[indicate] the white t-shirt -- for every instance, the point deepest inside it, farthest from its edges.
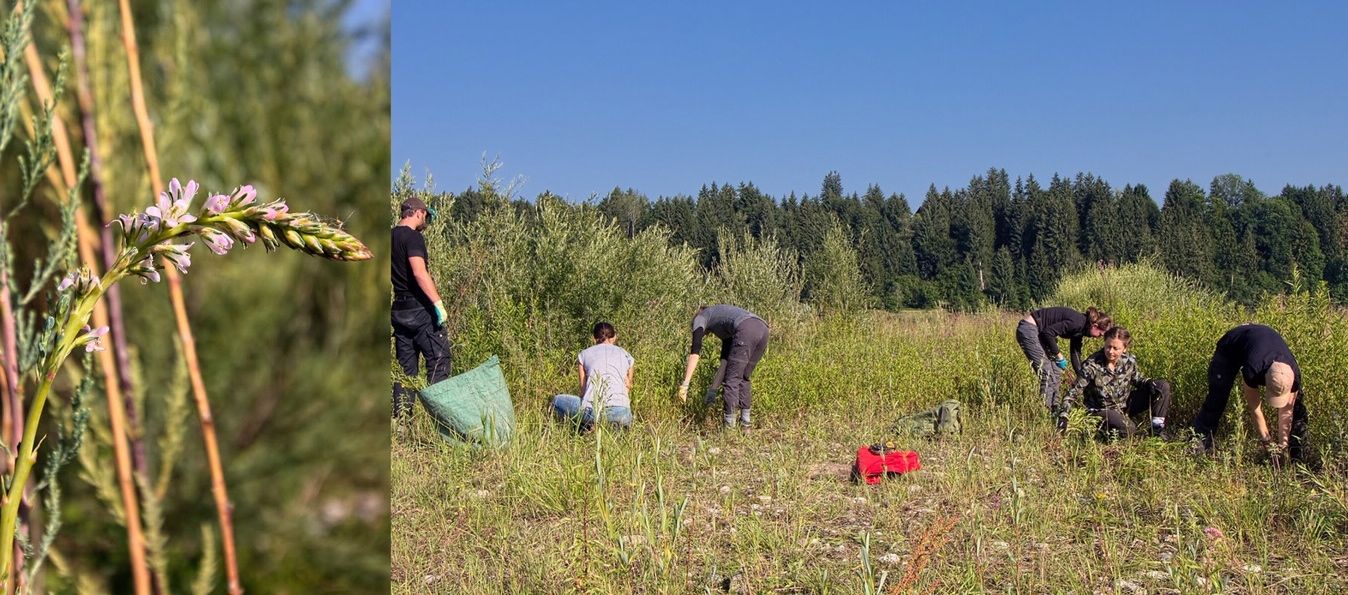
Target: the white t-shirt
(606, 369)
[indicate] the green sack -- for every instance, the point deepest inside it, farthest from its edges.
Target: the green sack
(473, 406)
(940, 421)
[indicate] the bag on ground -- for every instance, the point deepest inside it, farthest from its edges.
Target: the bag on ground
(873, 464)
(473, 407)
(939, 421)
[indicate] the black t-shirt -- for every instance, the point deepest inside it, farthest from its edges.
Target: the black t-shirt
(1255, 347)
(407, 242)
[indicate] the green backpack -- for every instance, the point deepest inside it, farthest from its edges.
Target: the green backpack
(474, 406)
(940, 421)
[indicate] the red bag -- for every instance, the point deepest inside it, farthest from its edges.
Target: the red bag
(872, 467)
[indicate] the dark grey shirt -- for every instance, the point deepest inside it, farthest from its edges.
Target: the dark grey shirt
(719, 320)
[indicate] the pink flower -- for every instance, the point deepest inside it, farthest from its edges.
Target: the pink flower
(176, 254)
(145, 269)
(136, 227)
(67, 281)
(218, 241)
(170, 209)
(243, 196)
(92, 338)
(82, 281)
(1213, 533)
(217, 203)
(274, 210)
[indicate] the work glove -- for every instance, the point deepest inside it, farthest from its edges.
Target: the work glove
(683, 393)
(1062, 363)
(441, 315)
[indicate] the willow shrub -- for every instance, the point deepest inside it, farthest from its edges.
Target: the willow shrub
(528, 282)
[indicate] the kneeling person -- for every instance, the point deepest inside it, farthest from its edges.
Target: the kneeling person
(1112, 388)
(605, 384)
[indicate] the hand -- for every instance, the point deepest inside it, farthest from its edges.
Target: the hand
(1275, 452)
(1062, 363)
(441, 315)
(683, 393)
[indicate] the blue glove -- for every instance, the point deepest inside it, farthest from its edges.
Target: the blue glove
(1062, 363)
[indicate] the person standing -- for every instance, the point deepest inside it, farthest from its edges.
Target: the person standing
(1038, 335)
(418, 315)
(1263, 359)
(744, 338)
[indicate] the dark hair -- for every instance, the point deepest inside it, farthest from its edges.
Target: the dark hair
(1120, 333)
(1097, 318)
(603, 331)
(409, 211)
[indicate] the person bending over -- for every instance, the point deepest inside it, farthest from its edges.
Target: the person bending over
(744, 338)
(1263, 359)
(1038, 335)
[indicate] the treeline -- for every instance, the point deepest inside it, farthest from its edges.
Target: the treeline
(1006, 242)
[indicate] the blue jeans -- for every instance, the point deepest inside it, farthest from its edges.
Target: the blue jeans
(567, 408)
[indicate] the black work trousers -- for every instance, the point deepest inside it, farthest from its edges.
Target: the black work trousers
(1222, 374)
(415, 336)
(1152, 398)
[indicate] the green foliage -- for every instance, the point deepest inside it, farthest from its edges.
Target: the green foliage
(296, 124)
(529, 286)
(762, 277)
(832, 275)
(1234, 240)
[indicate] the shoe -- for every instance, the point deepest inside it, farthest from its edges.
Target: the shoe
(1200, 445)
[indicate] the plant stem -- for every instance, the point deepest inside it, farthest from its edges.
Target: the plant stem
(218, 486)
(116, 400)
(14, 398)
(116, 321)
(27, 449)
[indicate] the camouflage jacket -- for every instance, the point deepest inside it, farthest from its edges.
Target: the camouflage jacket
(1099, 388)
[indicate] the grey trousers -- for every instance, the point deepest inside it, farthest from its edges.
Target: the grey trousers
(1050, 377)
(746, 348)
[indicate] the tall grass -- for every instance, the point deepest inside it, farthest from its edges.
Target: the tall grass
(675, 506)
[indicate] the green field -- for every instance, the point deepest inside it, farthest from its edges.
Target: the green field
(675, 505)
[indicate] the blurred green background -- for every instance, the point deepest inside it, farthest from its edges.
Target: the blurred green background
(293, 97)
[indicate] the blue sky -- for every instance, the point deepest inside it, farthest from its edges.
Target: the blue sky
(364, 18)
(580, 97)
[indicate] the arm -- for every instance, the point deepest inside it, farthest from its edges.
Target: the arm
(693, 356)
(698, 333)
(1254, 406)
(581, 369)
(423, 277)
(689, 367)
(629, 377)
(1285, 421)
(1076, 354)
(1048, 339)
